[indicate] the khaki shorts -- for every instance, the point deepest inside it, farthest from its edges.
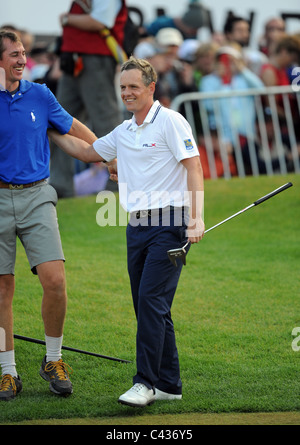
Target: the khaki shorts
(29, 214)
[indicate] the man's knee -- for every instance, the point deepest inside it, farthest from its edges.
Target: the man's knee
(6, 289)
(52, 277)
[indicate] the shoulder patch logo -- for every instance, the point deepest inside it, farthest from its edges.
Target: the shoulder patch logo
(188, 144)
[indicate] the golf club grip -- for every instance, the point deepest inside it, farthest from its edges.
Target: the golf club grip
(270, 195)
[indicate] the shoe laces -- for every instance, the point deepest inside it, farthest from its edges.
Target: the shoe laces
(6, 381)
(138, 387)
(60, 367)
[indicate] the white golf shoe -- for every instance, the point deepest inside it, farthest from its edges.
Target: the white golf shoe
(161, 395)
(139, 395)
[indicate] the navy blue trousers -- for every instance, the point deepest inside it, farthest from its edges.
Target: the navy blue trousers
(153, 280)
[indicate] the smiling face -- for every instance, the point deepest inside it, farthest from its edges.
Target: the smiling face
(136, 96)
(13, 62)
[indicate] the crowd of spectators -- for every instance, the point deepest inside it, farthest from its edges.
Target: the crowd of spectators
(224, 63)
(184, 63)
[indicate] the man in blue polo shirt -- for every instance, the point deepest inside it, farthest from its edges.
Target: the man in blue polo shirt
(27, 208)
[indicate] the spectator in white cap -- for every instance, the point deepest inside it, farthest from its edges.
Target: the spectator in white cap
(169, 39)
(188, 49)
(156, 56)
(145, 50)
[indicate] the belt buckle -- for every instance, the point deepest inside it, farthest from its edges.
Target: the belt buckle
(15, 187)
(144, 213)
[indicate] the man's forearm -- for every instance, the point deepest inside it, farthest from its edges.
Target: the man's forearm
(75, 147)
(81, 131)
(195, 186)
(83, 21)
(196, 194)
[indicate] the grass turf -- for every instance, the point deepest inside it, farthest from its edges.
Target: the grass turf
(235, 308)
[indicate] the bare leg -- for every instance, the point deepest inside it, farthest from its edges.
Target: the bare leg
(7, 288)
(54, 304)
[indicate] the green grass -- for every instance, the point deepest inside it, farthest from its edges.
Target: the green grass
(235, 308)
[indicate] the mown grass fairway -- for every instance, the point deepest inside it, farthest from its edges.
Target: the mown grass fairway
(235, 308)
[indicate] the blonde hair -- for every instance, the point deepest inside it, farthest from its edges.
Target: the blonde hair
(206, 48)
(149, 74)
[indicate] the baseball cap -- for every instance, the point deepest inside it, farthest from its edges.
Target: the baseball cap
(230, 51)
(188, 50)
(144, 50)
(169, 36)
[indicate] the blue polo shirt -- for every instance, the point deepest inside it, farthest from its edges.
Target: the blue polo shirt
(24, 120)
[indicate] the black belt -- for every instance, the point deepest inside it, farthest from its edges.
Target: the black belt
(144, 213)
(6, 185)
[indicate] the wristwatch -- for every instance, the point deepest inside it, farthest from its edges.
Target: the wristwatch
(64, 20)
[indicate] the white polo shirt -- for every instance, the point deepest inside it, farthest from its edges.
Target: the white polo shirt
(149, 170)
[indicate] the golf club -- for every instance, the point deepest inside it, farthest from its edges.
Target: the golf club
(41, 342)
(181, 252)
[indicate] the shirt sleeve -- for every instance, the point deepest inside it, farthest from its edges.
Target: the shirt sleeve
(106, 146)
(58, 117)
(252, 79)
(106, 11)
(179, 137)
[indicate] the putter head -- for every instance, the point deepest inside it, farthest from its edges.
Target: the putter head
(179, 253)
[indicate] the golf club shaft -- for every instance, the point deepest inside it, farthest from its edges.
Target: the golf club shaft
(41, 342)
(259, 201)
(230, 217)
(222, 222)
(181, 252)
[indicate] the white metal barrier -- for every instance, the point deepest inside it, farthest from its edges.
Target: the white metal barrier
(260, 123)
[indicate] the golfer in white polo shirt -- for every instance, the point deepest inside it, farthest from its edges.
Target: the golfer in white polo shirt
(160, 175)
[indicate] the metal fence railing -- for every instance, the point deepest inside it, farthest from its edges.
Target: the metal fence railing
(250, 132)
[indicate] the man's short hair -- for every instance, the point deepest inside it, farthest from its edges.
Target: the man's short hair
(149, 74)
(7, 34)
(230, 22)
